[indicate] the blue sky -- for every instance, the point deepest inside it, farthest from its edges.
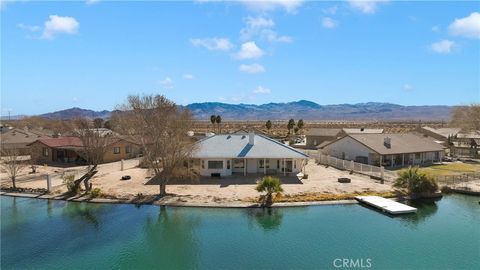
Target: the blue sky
(57, 55)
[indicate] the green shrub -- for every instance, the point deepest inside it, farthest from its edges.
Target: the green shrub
(96, 192)
(415, 181)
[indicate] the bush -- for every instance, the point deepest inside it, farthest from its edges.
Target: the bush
(96, 192)
(415, 181)
(69, 181)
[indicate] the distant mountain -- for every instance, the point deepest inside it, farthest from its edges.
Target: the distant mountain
(304, 109)
(76, 112)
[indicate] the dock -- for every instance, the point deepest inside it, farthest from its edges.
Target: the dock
(386, 205)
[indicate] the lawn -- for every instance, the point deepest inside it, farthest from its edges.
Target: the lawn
(454, 168)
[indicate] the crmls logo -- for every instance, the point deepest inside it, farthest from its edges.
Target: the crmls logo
(352, 263)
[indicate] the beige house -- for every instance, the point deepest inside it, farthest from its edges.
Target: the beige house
(70, 150)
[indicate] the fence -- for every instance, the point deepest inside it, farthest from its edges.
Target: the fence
(351, 165)
(465, 181)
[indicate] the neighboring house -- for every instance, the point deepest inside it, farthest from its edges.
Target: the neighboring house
(71, 150)
(319, 137)
(228, 154)
(18, 139)
(390, 150)
(458, 143)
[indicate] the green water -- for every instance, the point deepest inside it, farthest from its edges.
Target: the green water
(41, 234)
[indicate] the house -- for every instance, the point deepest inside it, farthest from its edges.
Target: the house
(319, 137)
(69, 149)
(390, 150)
(227, 154)
(440, 135)
(459, 144)
(18, 139)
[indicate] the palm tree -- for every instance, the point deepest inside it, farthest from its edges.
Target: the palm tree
(213, 119)
(415, 181)
(290, 125)
(270, 185)
(268, 125)
(218, 120)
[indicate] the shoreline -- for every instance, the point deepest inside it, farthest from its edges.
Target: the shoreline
(238, 204)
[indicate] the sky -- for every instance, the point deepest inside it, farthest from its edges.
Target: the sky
(93, 54)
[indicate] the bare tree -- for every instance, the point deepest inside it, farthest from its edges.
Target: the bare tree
(12, 163)
(161, 127)
(466, 117)
(94, 146)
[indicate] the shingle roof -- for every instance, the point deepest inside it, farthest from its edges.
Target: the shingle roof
(444, 132)
(237, 146)
(18, 136)
(62, 142)
(399, 143)
(328, 132)
(362, 130)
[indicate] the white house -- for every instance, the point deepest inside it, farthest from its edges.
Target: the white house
(390, 150)
(227, 154)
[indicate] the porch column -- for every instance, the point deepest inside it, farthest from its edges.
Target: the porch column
(381, 160)
(264, 166)
(391, 162)
(403, 160)
(423, 157)
(284, 170)
(244, 167)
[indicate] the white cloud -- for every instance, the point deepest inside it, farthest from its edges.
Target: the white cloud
(330, 10)
(188, 77)
(329, 23)
(262, 90)
(60, 25)
(436, 28)
(290, 6)
(407, 87)
(167, 83)
(249, 50)
(213, 44)
(253, 68)
(365, 6)
(468, 27)
(443, 47)
(91, 2)
(31, 28)
(261, 27)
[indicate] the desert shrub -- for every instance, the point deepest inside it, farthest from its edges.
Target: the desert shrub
(415, 181)
(96, 192)
(69, 181)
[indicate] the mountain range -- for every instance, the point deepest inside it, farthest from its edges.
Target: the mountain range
(302, 109)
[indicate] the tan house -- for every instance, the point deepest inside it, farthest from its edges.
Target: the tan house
(18, 139)
(319, 137)
(70, 150)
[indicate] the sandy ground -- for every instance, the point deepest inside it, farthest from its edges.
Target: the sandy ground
(228, 189)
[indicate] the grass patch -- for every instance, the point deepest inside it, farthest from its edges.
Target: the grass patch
(311, 197)
(456, 168)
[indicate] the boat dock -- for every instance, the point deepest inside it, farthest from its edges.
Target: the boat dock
(386, 205)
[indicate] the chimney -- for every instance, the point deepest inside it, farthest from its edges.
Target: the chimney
(251, 137)
(387, 142)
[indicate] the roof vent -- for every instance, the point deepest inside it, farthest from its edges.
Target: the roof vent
(362, 129)
(387, 142)
(251, 138)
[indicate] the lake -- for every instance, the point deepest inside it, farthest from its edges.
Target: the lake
(45, 234)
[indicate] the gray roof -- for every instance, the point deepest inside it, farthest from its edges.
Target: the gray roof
(444, 132)
(362, 130)
(237, 146)
(399, 143)
(327, 132)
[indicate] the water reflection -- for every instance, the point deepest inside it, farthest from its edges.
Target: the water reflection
(426, 208)
(87, 213)
(269, 219)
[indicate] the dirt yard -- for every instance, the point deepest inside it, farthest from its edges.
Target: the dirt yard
(227, 189)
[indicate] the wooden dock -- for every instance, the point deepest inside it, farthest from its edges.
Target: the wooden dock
(386, 205)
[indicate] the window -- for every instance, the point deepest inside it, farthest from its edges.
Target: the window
(261, 165)
(128, 149)
(228, 164)
(116, 150)
(278, 163)
(45, 152)
(215, 164)
(417, 155)
(238, 163)
(203, 164)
